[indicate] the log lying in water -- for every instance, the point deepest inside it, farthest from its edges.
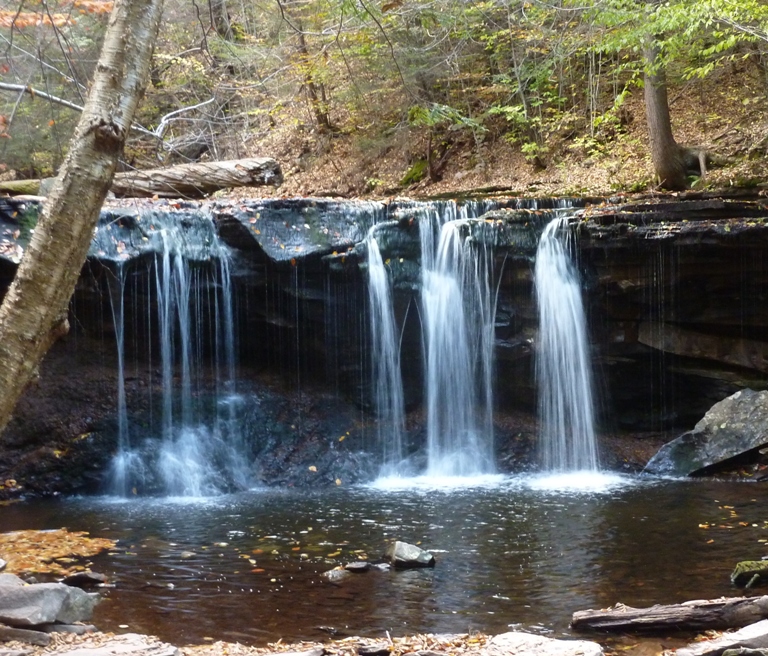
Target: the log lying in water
(199, 179)
(183, 181)
(689, 616)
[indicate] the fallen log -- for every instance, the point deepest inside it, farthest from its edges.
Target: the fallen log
(698, 615)
(199, 179)
(20, 187)
(195, 180)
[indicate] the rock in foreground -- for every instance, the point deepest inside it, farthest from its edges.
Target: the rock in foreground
(513, 643)
(754, 636)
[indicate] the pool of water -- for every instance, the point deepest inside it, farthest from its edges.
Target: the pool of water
(516, 552)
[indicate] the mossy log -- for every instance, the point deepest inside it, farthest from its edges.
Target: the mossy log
(20, 187)
(700, 615)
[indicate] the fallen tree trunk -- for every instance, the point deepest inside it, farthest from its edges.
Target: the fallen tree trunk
(199, 179)
(20, 187)
(183, 181)
(692, 615)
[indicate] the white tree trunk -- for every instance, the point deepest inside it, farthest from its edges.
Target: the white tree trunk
(34, 312)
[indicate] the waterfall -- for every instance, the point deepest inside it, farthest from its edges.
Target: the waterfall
(385, 366)
(563, 371)
(458, 310)
(199, 449)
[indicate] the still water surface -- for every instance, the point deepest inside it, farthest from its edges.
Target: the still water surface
(510, 552)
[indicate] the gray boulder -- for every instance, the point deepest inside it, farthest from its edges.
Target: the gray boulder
(731, 427)
(11, 580)
(514, 642)
(753, 636)
(10, 634)
(403, 555)
(44, 603)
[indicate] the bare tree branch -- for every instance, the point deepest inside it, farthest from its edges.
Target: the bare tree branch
(157, 133)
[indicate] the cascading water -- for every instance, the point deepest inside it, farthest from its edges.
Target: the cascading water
(197, 453)
(563, 371)
(385, 365)
(458, 310)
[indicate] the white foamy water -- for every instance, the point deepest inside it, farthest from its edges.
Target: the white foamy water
(563, 366)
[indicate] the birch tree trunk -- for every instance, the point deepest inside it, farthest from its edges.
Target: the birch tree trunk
(34, 312)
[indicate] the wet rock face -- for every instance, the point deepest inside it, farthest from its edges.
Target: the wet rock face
(677, 303)
(677, 297)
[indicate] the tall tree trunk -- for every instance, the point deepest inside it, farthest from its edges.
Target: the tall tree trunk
(220, 19)
(315, 92)
(34, 312)
(668, 156)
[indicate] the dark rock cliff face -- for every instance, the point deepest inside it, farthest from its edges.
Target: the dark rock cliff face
(675, 292)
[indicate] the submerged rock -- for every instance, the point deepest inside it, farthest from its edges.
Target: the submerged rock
(731, 427)
(336, 575)
(403, 555)
(749, 573)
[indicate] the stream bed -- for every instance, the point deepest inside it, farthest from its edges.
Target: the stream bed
(512, 553)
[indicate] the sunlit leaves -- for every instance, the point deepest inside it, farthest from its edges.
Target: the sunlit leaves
(64, 15)
(57, 552)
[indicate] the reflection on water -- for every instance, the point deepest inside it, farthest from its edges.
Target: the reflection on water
(522, 552)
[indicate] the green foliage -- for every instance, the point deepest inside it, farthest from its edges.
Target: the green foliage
(416, 173)
(533, 73)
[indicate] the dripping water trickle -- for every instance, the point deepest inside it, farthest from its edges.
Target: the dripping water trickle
(198, 448)
(385, 365)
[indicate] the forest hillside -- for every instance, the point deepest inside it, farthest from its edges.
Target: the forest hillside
(413, 97)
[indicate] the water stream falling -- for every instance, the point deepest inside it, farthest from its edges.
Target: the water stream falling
(563, 368)
(458, 310)
(198, 450)
(385, 365)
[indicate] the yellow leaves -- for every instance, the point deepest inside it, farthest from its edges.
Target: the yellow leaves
(338, 481)
(48, 552)
(342, 438)
(312, 468)
(335, 554)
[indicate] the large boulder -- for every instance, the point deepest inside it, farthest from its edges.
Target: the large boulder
(527, 644)
(731, 427)
(43, 603)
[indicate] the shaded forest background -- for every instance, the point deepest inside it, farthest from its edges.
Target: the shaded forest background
(357, 97)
